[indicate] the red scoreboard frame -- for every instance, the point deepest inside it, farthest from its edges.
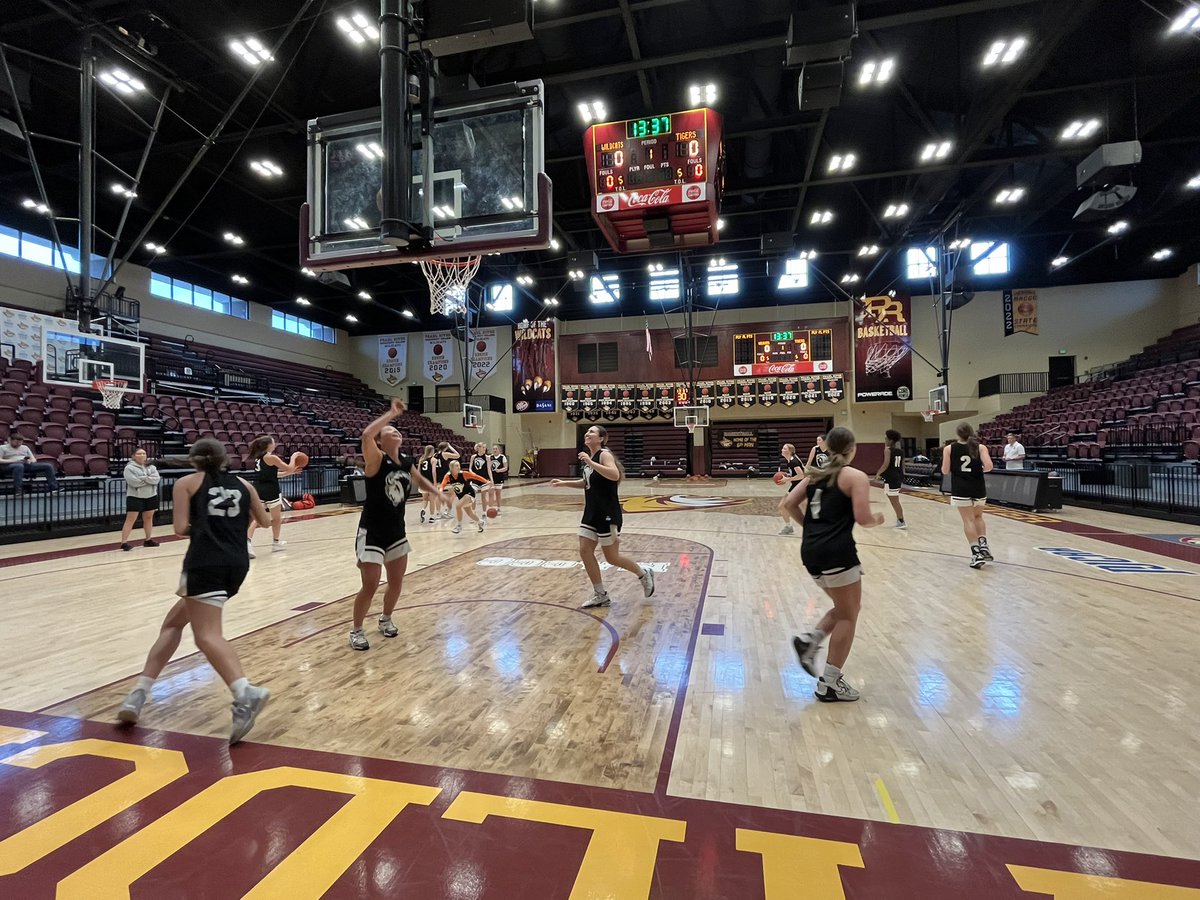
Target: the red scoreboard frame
(657, 181)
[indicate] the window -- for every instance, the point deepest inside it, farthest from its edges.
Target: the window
(10, 241)
(664, 286)
(795, 274)
(40, 251)
(723, 281)
(993, 258)
(922, 263)
(301, 327)
(592, 358)
(704, 355)
(605, 289)
(194, 295)
(500, 297)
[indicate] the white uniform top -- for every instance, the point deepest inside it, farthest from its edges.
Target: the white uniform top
(1013, 450)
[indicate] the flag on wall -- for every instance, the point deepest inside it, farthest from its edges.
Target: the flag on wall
(1020, 312)
(482, 352)
(649, 345)
(439, 356)
(393, 358)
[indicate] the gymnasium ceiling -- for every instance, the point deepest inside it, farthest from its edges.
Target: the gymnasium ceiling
(1111, 60)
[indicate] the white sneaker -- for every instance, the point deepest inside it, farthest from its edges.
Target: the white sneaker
(838, 690)
(598, 599)
(246, 709)
(457, 529)
(647, 580)
(787, 529)
(276, 546)
(387, 627)
(902, 525)
(250, 550)
(131, 709)
(358, 640)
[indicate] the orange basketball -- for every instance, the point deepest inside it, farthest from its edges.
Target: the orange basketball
(299, 459)
(780, 478)
(492, 512)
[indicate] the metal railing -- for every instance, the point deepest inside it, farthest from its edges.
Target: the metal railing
(1141, 487)
(1015, 383)
(90, 505)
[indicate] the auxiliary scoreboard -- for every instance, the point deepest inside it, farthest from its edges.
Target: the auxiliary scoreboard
(804, 352)
(657, 181)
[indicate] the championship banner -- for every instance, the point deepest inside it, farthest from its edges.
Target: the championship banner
(882, 350)
(608, 401)
(588, 402)
(393, 358)
(1020, 312)
(789, 393)
(768, 392)
(810, 390)
(439, 356)
(725, 395)
(705, 394)
(482, 354)
(627, 402)
(570, 398)
(664, 400)
(533, 368)
(834, 388)
(645, 402)
(746, 394)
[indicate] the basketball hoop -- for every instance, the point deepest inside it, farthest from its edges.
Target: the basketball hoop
(929, 414)
(448, 281)
(112, 391)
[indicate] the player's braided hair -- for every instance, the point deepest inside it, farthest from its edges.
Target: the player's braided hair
(840, 444)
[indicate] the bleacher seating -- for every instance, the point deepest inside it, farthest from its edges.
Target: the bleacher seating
(1148, 405)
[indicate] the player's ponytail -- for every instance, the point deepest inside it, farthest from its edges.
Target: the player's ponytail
(260, 445)
(966, 434)
(603, 432)
(840, 445)
(208, 456)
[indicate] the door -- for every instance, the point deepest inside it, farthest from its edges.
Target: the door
(1062, 371)
(416, 398)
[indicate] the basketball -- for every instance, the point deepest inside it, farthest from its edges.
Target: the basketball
(481, 346)
(299, 459)
(392, 353)
(437, 349)
(780, 478)
(492, 513)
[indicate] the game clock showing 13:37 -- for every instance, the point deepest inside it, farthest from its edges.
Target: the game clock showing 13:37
(650, 152)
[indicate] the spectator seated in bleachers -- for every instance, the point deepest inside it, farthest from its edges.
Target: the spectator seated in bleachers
(18, 462)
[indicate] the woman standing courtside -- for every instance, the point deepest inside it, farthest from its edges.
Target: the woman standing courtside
(966, 461)
(141, 498)
(214, 508)
(268, 469)
(832, 499)
(601, 522)
(382, 541)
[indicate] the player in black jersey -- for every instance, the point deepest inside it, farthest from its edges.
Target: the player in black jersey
(268, 469)
(431, 501)
(382, 542)
(499, 473)
(601, 522)
(965, 461)
(460, 484)
(892, 473)
(828, 502)
(445, 454)
(793, 471)
(818, 456)
(214, 507)
(480, 465)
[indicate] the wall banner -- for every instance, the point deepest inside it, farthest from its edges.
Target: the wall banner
(834, 388)
(1020, 312)
(738, 440)
(393, 358)
(482, 354)
(645, 401)
(570, 398)
(608, 401)
(627, 397)
(768, 392)
(665, 400)
(706, 394)
(747, 395)
(440, 353)
(882, 350)
(789, 393)
(534, 374)
(725, 395)
(810, 390)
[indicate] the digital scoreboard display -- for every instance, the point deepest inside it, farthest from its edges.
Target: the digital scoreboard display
(652, 161)
(803, 352)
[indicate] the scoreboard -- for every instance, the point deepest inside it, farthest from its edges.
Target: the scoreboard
(656, 181)
(804, 352)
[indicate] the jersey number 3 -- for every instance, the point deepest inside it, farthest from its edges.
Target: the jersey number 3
(224, 502)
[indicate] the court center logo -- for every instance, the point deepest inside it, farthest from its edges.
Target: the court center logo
(677, 502)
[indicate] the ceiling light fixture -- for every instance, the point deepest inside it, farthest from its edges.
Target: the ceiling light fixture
(936, 150)
(358, 28)
(36, 206)
(351, 318)
(1059, 261)
(251, 51)
(240, 279)
(717, 262)
(308, 272)
(808, 254)
(549, 301)
(1080, 130)
(364, 295)
(1187, 21)
(592, 111)
(720, 224)
(896, 211)
(235, 239)
(121, 191)
(1164, 253)
(122, 82)
(526, 280)
(156, 249)
(1118, 227)
(876, 72)
(702, 94)
(408, 314)
(960, 244)
(1004, 52)
(1193, 183)
(843, 162)
(370, 150)
(303, 301)
(868, 250)
(821, 217)
(1009, 196)
(265, 168)
(850, 278)
(555, 244)
(576, 274)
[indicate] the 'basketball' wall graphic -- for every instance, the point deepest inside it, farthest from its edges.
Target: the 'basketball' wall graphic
(883, 349)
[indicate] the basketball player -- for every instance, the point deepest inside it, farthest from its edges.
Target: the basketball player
(966, 460)
(499, 474)
(892, 473)
(214, 508)
(793, 469)
(819, 454)
(828, 502)
(445, 453)
(460, 484)
(601, 522)
(480, 465)
(382, 542)
(430, 500)
(268, 469)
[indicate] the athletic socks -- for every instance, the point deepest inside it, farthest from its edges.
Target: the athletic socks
(831, 674)
(239, 687)
(815, 637)
(144, 683)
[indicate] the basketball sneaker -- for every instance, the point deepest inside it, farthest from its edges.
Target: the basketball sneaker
(387, 627)
(977, 558)
(276, 546)
(422, 517)
(832, 692)
(647, 580)
(127, 547)
(131, 709)
(250, 550)
(600, 598)
(807, 651)
(246, 709)
(787, 529)
(480, 523)
(902, 525)
(982, 546)
(358, 640)
(457, 529)
(150, 543)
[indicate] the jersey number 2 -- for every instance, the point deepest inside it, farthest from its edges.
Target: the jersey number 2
(966, 465)
(224, 502)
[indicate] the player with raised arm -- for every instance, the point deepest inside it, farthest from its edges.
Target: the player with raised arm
(268, 469)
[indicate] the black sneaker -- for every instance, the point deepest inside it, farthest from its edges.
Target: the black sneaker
(982, 547)
(149, 543)
(977, 558)
(127, 547)
(807, 651)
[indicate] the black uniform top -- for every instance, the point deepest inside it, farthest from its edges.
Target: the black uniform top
(499, 461)
(599, 493)
(828, 543)
(966, 473)
(383, 507)
(790, 467)
(821, 459)
(266, 476)
(220, 517)
(427, 469)
(895, 469)
(463, 484)
(480, 465)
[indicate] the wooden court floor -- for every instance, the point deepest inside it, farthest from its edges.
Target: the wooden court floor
(1050, 698)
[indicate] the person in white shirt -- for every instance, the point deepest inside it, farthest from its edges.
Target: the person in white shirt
(1014, 453)
(17, 461)
(142, 481)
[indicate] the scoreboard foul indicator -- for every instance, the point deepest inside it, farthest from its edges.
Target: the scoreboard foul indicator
(804, 352)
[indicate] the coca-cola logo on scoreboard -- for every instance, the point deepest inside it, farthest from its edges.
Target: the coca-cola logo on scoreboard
(659, 197)
(694, 192)
(781, 369)
(607, 203)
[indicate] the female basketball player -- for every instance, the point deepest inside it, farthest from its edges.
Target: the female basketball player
(141, 481)
(499, 474)
(430, 501)
(793, 469)
(214, 508)
(382, 542)
(819, 455)
(268, 469)
(460, 484)
(480, 464)
(446, 453)
(601, 522)
(832, 499)
(966, 460)
(892, 473)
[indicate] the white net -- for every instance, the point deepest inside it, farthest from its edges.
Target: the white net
(448, 281)
(112, 391)
(883, 356)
